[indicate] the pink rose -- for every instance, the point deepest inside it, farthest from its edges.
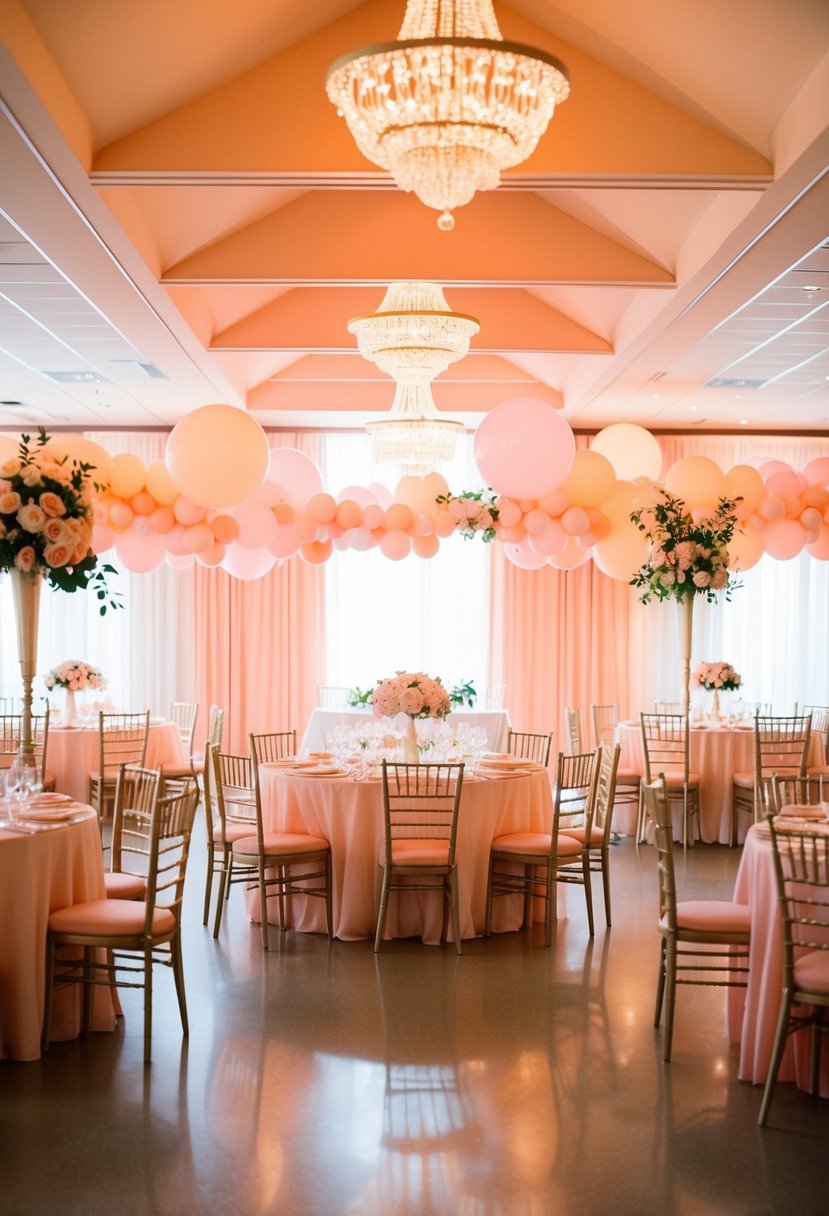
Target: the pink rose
(79, 553)
(31, 518)
(9, 502)
(52, 504)
(702, 578)
(54, 530)
(24, 559)
(57, 555)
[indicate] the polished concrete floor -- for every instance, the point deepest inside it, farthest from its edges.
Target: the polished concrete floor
(319, 1080)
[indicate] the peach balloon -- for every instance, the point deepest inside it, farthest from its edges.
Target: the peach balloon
(770, 467)
(756, 522)
(425, 546)
(513, 535)
(811, 517)
(591, 480)
(82, 450)
(373, 516)
(141, 526)
(100, 509)
(284, 513)
(422, 525)
(317, 552)
(269, 493)
(575, 520)
(745, 549)
(120, 516)
(296, 474)
(162, 520)
(631, 450)
(322, 508)
(217, 455)
(180, 561)
(257, 524)
(772, 508)
(696, 480)
(444, 524)
(158, 483)
(784, 539)
(745, 483)
(399, 517)
(360, 539)
(395, 545)
(225, 528)
(816, 472)
(815, 496)
(214, 556)
(620, 554)
(784, 485)
(175, 541)
(187, 512)
(382, 495)
(334, 531)
(349, 513)
(551, 541)
(103, 537)
(509, 512)
(284, 543)
(819, 548)
(537, 522)
(143, 503)
(140, 554)
(247, 564)
(571, 556)
(555, 503)
(126, 475)
(525, 558)
(197, 539)
(524, 447)
(305, 530)
(703, 512)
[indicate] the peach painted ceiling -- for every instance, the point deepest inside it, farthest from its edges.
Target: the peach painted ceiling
(184, 218)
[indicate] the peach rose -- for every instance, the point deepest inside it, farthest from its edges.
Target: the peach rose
(9, 502)
(52, 504)
(24, 559)
(79, 553)
(10, 467)
(55, 530)
(31, 475)
(31, 517)
(57, 555)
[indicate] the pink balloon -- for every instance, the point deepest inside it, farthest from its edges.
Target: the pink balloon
(317, 552)
(422, 525)
(784, 485)
(225, 528)
(555, 503)
(395, 545)
(297, 475)
(162, 520)
(820, 547)
(349, 513)
(187, 512)
(175, 541)
(509, 512)
(817, 472)
(333, 531)
(399, 517)
(197, 539)
(141, 554)
(772, 508)
(537, 522)
(305, 530)
(571, 557)
(179, 561)
(770, 467)
(143, 503)
(444, 524)
(322, 508)
(524, 448)
(550, 542)
(247, 564)
(360, 538)
(575, 520)
(524, 557)
(284, 543)
(141, 526)
(257, 524)
(103, 538)
(745, 550)
(359, 494)
(382, 495)
(373, 516)
(425, 546)
(784, 538)
(214, 556)
(120, 515)
(811, 518)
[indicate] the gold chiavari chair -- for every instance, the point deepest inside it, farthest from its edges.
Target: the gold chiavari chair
(530, 746)
(136, 793)
(666, 744)
(122, 739)
(605, 722)
(572, 728)
(598, 845)
(275, 745)
(781, 746)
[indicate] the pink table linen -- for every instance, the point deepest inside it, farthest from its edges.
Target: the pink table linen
(716, 755)
(349, 814)
(73, 755)
(752, 1013)
(39, 874)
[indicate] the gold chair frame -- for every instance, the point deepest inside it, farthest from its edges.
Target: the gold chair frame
(122, 739)
(136, 792)
(781, 746)
(530, 746)
(666, 747)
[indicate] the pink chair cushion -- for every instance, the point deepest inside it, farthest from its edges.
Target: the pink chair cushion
(124, 886)
(281, 844)
(538, 843)
(112, 917)
(676, 780)
(744, 780)
(419, 853)
(627, 776)
(233, 831)
(811, 972)
(818, 770)
(596, 835)
(712, 916)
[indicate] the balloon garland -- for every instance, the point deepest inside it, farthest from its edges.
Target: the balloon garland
(222, 498)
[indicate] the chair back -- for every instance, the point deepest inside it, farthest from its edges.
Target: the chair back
(184, 714)
(820, 723)
(215, 726)
(668, 707)
(665, 744)
(171, 829)
(421, 802)
(606, 789)
(605, 721)
(122, 739)
(576, 783)
(795, 791)
(494, 696)
(801, 867)
(655, 798)
(333, 696)
(136, 793)
(572, 727)
(530, 746)
(11, 733)
(274, 745)
(233, 793)
(781, 745)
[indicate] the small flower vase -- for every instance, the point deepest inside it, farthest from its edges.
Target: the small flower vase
(715, 705)
(69, 709)
(410, 752)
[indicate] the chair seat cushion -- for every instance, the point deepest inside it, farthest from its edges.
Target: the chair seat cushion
(628, 776)
(234, 831)
(109, 917)
(596, 835)
(415, 852)
(124, 886)
(281, 844)
(169, 771)
(818, 770)
(811, 973)
(536, 843)
(744, 780)
(676, 780)
(712, 916)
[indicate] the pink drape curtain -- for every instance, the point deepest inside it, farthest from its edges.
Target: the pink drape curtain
(259, 644)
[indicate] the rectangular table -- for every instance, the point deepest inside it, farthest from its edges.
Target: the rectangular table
(349, 814)
(495, 722)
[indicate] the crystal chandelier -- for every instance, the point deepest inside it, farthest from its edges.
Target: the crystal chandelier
(413, 337)
(449, 105)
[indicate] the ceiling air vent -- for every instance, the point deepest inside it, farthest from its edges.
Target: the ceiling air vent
(720, 382)
(147, 369)
(78, 377)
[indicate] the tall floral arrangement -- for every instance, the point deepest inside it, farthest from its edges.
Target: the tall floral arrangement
(688, 553)
(46, 520)
(75, 675)
(412, 693)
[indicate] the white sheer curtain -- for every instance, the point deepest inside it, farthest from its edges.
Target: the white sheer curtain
(429, 615)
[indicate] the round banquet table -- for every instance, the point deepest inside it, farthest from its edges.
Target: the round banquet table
(40, 872)
(73, 754)
(349, 814)
(752, 1011)
(495, 722)
(716, 754)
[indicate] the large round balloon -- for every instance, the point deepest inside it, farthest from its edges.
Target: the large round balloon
(745, 549)
(591, 480)
(247, 564)
(257, 524)
(524, 448)
(631, 450)
(217, 455)
(296, 475)
(126, 475)
(85, 451)
(141, 554)
(696, 480)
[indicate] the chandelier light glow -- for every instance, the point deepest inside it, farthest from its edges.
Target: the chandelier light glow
(413, 337)
(449, 105)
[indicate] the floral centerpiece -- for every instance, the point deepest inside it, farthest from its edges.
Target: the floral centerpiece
(716, 676)
(75, 675)
(415, 694)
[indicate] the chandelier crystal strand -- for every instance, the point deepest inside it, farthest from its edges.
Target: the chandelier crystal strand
(449, 105)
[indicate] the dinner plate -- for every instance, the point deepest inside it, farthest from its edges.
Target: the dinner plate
(289, 762)
(48, 799)
(507, 762)
(47, 816)
(320, 770)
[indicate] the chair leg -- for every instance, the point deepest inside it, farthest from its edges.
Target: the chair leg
(488, 919)
(208, 882)
(381, 915)
(551, 911)
(780, 1036)
(329, 911)
(48, 996)
(224, 890)
(670, 997)
(263, 901)
(818, 1028)
(606, 883)
(283, 874)
(87, 976)
(588, 891)
(453, 907)
(148, 1003)
(178, 975)
(660, 987)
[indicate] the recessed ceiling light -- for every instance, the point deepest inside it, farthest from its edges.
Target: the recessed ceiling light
(811, 287)
(656, 396)
(692, 408)
(744, 422)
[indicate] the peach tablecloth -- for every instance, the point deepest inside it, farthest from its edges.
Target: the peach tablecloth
(349, 814)
(495, 722)
(716, 755)
(73, 755)
(38, 874)
(752, 1012)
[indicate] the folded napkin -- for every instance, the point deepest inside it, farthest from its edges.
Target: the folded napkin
(47, 816)
(319, 770)
(817, 810)
(288, 762)
(48, 799)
